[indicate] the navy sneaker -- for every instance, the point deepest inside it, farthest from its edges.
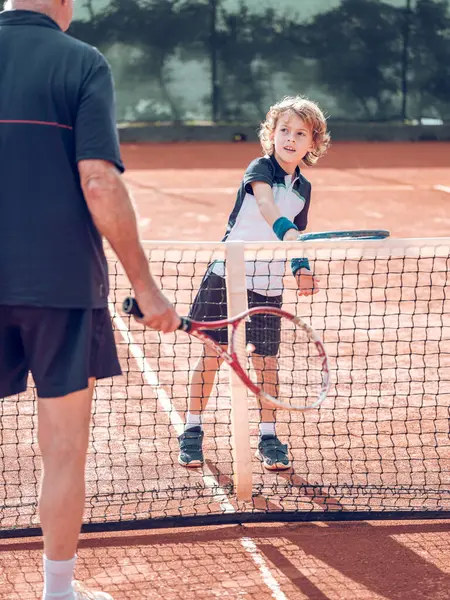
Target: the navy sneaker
(272, 453)
(191, 454)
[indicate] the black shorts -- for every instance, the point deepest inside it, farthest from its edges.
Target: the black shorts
(62, 348)
(210, 304)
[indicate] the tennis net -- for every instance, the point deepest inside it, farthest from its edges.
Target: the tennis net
(378, 446)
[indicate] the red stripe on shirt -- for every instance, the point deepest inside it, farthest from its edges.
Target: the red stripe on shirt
(20, 122)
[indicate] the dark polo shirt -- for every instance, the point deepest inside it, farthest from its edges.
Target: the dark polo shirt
(56, 107)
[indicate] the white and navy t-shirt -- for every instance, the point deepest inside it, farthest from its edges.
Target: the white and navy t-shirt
(292, 195)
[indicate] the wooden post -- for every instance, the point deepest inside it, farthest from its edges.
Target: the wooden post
(240, 431)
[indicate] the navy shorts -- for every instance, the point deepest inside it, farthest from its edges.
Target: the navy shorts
(62, 348)
(210, 304)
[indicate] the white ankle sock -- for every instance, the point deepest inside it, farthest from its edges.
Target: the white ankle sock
(193, 421)
(58, 577)
(267, 429)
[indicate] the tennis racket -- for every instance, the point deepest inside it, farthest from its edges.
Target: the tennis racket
(358, 234)
(289, 367)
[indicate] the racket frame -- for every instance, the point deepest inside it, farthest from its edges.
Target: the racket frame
(199, 330)
(357, 234)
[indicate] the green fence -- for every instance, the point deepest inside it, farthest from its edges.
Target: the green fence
(226, 61)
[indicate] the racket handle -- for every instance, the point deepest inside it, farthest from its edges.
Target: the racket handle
(131, 307)
(185, 325)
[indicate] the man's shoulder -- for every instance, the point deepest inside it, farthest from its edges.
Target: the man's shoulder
(90, 54)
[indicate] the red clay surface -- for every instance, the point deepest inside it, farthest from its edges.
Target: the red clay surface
(389, 186)
(185, 192)
(364, 561)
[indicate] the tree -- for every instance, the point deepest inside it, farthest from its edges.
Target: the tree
(252, 48)
(157, 29)
(354, 53)
(358, 49)
(430, 57)
(94, 30)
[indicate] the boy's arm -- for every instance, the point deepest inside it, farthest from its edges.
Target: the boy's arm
(306, 282)
(264, 198)
(301, 220)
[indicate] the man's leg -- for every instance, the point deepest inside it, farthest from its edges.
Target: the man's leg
(66, 350)
(63, 434)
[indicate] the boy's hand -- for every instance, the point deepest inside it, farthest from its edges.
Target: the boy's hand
(306, 282)
(291, 235)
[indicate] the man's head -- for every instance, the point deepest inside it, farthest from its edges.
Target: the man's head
(60, 11)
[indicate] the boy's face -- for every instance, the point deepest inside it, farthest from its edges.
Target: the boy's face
(292, 140)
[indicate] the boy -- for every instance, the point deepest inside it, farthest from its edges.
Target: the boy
(272, 202)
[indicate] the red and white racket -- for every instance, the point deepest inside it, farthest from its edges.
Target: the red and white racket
(288, 365)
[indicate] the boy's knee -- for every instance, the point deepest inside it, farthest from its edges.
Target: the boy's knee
(211, 355)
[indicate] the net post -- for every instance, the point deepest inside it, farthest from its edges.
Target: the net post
(240, 430)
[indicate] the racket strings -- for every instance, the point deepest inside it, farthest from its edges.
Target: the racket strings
(282, 359)
(299, 366)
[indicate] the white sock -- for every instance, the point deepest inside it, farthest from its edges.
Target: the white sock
(58, 576)
(193, 421)
(267, 429)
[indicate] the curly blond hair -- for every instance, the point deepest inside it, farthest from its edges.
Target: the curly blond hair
(311, 115)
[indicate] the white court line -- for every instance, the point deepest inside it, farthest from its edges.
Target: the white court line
(442, 188)
(151, 379)
(364, 188)
(210, 480)
(266, 574)
(317, 188)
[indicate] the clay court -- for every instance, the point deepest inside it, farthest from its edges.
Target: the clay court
(185, 192)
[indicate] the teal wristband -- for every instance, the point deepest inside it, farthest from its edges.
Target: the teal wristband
(299, 263)
(282, 225)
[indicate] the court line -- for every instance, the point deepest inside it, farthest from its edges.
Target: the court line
(317, 188)
(442, 188)
(266, 574)
(210, 480)
(151, 379)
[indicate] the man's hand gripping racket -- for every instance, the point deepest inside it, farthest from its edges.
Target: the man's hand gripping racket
(299, 372)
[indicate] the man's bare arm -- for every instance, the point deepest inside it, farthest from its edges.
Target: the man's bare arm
(112, 211)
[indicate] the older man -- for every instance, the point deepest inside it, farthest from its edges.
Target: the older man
(61, 191)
